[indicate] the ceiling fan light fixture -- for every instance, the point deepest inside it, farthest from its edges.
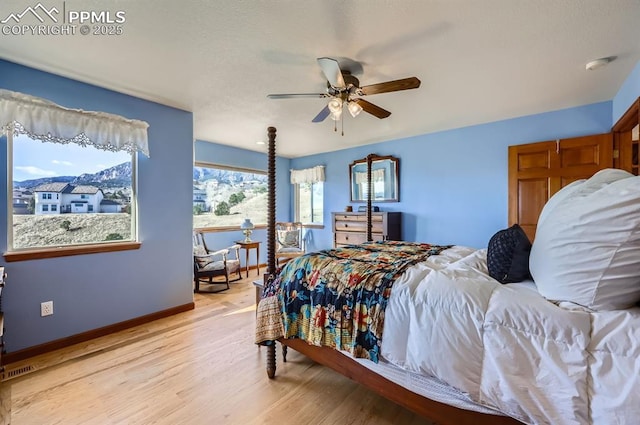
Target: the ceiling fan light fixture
(335, 106)
(354, 108)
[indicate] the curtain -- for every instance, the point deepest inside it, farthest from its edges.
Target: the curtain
(308, 175)
(43, 120)
(376, 176)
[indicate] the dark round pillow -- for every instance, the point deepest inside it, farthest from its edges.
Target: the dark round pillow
(508, 255)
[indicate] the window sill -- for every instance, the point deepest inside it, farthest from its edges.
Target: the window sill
(226, 228)
(313, 226)
(237, 228)
(66, 251)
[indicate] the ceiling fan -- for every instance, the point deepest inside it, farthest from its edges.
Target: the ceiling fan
(343, 89)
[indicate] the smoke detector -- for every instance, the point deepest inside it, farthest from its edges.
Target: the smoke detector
(598, 63)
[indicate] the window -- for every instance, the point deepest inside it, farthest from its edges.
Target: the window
(55, 149)
(223, 196)
(308, 192)
(64, 170)
(309, 202)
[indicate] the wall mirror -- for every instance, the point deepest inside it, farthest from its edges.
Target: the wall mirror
(384, 178)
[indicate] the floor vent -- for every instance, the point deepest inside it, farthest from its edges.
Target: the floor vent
(17, 372)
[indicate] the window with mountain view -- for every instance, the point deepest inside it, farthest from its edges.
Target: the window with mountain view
(309, 202)
(223, 197)
(67, 194)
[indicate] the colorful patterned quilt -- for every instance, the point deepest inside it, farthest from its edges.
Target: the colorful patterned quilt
(337, 297)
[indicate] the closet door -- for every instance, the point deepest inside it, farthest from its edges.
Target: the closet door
(538, 170)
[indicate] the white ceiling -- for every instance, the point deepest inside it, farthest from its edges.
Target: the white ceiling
(478, 60)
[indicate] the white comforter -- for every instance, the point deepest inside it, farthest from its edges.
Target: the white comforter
(510, 349)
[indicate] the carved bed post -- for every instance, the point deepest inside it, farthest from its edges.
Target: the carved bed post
(271, 202)
(369, 197)
(271, 226)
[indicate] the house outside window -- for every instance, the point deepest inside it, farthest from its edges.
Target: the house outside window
(54, 208)
(224, 196)
(309, 195)
(45, 208)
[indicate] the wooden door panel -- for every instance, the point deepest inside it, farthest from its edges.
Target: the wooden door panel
(580, 156)
(534, 161)
(585, 155)
(532, 195)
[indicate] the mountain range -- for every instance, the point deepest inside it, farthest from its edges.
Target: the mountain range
(116, 176)
(201, 174)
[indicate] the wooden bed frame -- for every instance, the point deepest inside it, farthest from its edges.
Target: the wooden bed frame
(441, 413)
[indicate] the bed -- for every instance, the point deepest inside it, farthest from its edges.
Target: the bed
(455, 345)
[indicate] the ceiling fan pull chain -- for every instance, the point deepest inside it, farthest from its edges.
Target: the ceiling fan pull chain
(335, 126)
(342, 123)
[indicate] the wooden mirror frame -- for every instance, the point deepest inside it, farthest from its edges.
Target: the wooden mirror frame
(392, 186)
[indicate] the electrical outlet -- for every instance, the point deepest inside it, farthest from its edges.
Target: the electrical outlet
(46, 308)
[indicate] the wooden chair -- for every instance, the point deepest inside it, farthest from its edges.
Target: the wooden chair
(208, 265)
(289, 241)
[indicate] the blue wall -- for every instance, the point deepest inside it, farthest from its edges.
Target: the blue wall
(234, 157)
(96, 290)
(453, 184)
(628, 93)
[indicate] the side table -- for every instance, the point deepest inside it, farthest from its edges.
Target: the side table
(248, 246)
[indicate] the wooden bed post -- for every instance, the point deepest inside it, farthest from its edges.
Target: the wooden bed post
(369, 197)
(271, 243)
(271, 202)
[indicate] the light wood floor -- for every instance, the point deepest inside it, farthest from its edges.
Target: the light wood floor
(197, 367)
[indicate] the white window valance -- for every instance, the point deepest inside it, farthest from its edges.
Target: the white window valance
(43, 120)
(308, 175)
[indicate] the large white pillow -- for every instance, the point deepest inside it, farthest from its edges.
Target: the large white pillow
(587, 245)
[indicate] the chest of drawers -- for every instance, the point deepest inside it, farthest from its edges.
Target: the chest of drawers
(351, 227)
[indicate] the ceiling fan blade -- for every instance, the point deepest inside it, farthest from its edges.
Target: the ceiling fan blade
(389, 86)
(296, 95)
(322, 115)
(331, 70)
(374, 110)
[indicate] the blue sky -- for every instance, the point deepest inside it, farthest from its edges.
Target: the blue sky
(35, 159)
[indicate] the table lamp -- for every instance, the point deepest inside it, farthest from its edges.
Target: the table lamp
(247, 227)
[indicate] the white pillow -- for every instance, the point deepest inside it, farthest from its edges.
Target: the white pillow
(557, 198)
(587, 245)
